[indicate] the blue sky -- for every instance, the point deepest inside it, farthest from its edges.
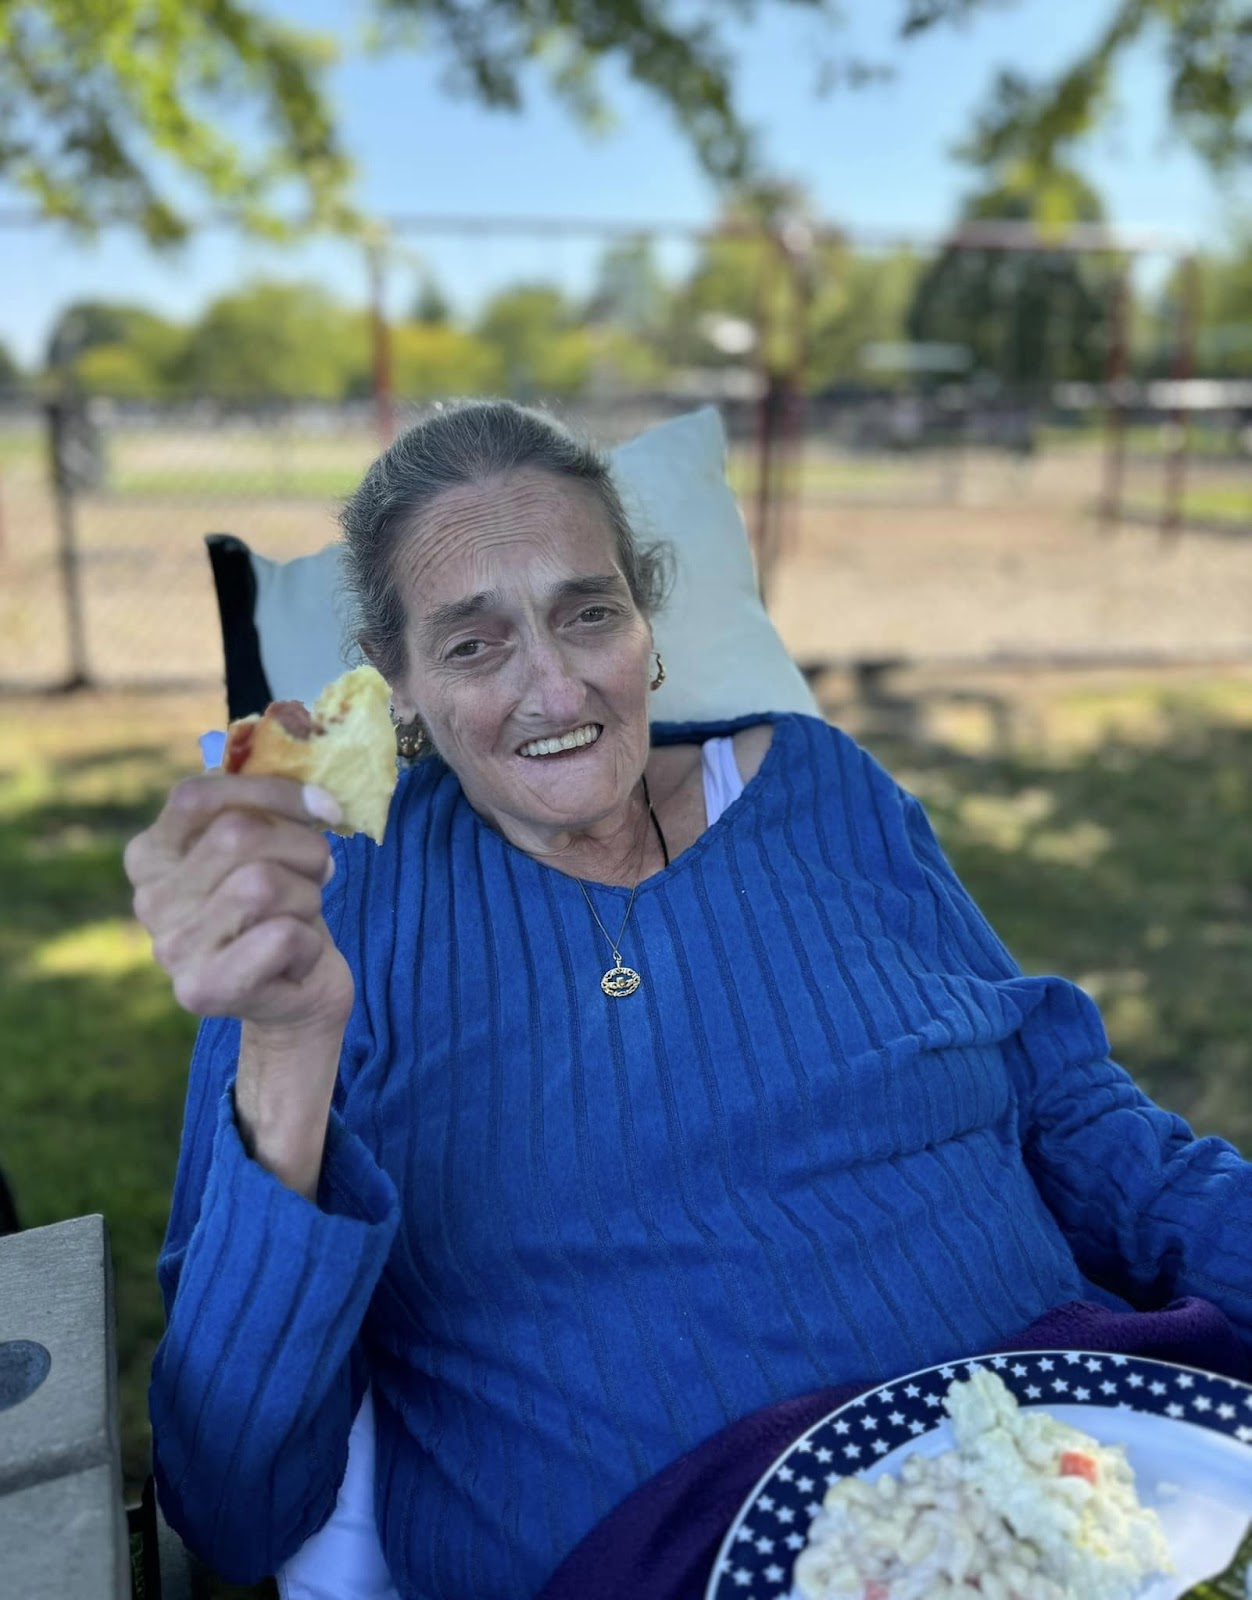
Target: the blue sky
(877, 158)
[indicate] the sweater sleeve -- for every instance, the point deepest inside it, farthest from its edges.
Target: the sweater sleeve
(260, 1371)
(1150, 1211)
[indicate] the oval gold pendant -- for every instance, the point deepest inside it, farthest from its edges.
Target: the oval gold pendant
(620, 981)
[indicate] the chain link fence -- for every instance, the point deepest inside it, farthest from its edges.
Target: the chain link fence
(1028, 493)
(890, 528)
(103, 512)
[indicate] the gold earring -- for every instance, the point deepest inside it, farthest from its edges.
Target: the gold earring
(660, 674)
(411, 740)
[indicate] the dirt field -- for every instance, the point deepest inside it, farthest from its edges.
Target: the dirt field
(944, 583)
(934, 561)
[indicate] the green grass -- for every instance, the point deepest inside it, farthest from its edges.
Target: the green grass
(1112, 845)
(1228, 503)
(234, 464)
(1143, 439)
(302, 477)
(231, 463)
(224, 482)
(20, 446)
(95, 1053)
(1124, 861)
(90, 1099)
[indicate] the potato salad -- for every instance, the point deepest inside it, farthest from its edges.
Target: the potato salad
(1023, 1508)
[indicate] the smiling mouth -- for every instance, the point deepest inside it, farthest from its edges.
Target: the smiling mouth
(575, 739)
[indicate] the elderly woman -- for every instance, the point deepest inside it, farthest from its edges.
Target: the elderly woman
(642, 1077)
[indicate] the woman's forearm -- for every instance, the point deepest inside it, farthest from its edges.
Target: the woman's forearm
(283, 1092)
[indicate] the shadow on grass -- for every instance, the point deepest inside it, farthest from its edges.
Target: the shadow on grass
(1128, 869)
(96, 1051)
(95, 1057)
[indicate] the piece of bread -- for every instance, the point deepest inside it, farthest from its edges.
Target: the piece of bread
(346, 746)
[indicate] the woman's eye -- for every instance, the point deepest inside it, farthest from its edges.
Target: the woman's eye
(593, 613)
(466, 649)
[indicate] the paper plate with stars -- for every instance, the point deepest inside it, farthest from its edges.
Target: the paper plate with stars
(1187, 1434)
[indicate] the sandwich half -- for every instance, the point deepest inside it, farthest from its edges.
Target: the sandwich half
(345, 745)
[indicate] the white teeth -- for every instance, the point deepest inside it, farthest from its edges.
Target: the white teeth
(568, 741)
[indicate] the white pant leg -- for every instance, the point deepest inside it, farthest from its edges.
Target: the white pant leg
(344, 1560)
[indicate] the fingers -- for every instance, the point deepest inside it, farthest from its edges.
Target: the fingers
(228, 880)
(195, 804)
(231, 841)
(251, 894)
(271, 959)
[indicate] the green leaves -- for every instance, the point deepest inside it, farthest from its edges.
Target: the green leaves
(1028, 317)
(11, 375)
(1210, 60)
(141, 111)
(1208, 55)
(681, 58)
(540, 347)
(103, 102)
(275, 339)
(921, 15)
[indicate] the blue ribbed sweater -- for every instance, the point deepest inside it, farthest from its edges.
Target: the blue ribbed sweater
(836, 1134)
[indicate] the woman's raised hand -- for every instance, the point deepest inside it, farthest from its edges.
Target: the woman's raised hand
(228, 881)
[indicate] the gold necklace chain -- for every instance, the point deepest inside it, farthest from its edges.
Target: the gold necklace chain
(620, 981)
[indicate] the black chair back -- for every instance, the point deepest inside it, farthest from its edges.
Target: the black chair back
(9, 1222)
(247, 688)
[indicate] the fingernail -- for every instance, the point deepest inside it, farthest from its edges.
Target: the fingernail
(329, 873)
(321, 805)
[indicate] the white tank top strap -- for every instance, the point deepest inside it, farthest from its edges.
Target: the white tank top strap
(722, 783)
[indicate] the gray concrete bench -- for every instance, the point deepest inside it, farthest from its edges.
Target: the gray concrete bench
(63, 1524)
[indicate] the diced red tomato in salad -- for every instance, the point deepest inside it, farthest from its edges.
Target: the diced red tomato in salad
(1078, 1464)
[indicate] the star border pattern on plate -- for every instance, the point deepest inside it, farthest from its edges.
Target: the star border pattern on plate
(757, 1555)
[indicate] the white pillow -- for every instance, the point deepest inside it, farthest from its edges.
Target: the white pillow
(723, 656)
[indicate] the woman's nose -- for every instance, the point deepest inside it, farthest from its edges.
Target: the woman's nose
(553, 690)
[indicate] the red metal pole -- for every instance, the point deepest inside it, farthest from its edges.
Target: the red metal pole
(1114, 416)
(1180, 416)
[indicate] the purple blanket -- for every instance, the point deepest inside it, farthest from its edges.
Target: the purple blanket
(660, 1543)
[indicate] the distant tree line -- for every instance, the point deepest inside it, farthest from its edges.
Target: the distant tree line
(1022, 318)
(122, 113)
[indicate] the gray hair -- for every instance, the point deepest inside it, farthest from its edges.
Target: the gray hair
(457, 445)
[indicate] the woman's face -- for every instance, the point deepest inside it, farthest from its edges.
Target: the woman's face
(521, 631)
